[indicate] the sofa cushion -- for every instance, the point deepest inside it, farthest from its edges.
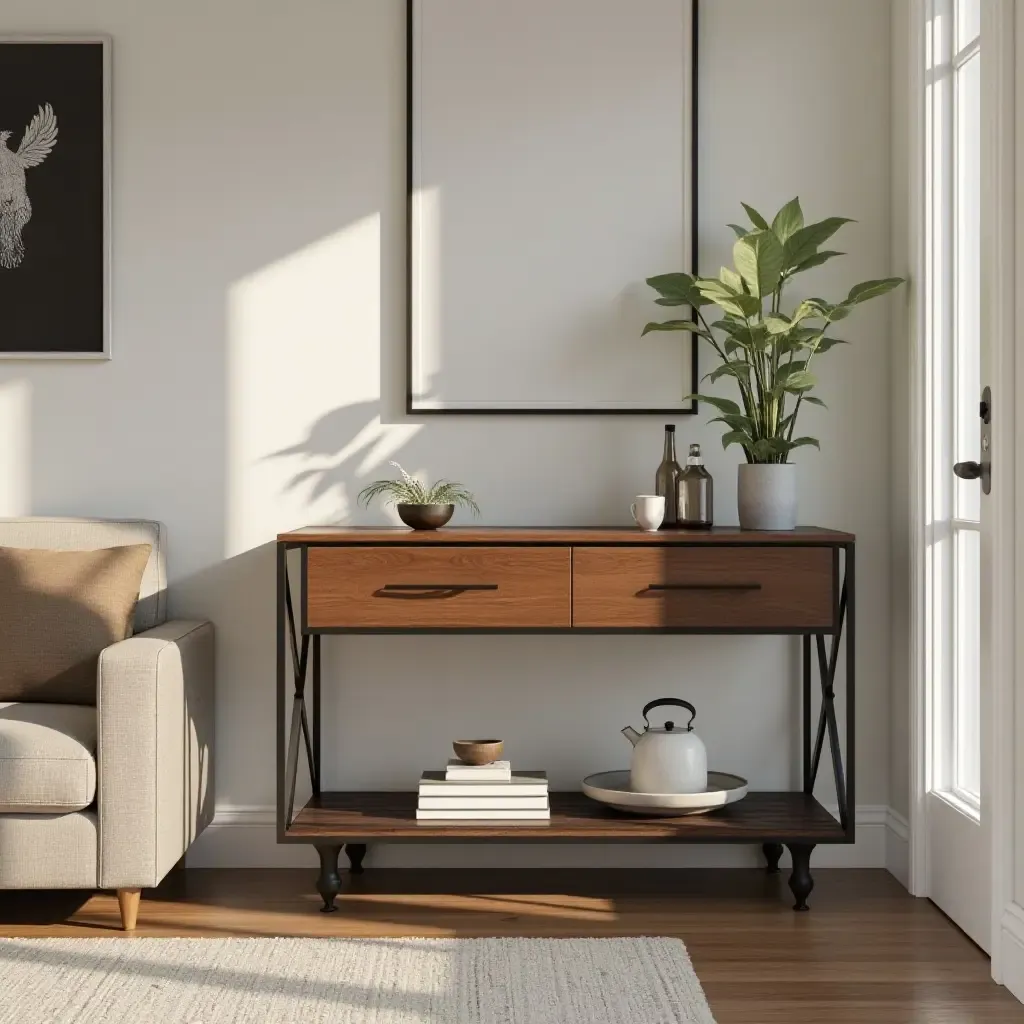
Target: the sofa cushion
(47, 758)
(58, 611)
(58, 533)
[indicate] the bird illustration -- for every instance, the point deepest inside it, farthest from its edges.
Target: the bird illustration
(15, 209)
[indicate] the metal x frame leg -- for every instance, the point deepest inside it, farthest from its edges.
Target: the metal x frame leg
(296, 724)
(827, 660)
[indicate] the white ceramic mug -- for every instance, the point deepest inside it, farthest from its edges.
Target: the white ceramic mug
(648, 511)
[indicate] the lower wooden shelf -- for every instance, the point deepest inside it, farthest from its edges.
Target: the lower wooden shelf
(759, 817)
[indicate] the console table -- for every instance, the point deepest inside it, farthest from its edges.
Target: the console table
(594, 580)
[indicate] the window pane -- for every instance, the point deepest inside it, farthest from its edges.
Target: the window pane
(968, 22)
(967, 368)
(967, 681)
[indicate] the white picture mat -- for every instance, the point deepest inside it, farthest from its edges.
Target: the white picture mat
(550, 174)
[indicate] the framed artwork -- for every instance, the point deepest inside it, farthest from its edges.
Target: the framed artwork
(55, 197)
(551, 170)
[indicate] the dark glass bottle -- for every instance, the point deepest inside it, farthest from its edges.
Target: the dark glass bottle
(666, 480)
(696, 493)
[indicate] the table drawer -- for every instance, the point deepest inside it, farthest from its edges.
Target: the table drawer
(743, 588)
(438, 588)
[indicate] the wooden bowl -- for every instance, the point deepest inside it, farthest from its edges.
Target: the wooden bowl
(477, 751)
(425, 517)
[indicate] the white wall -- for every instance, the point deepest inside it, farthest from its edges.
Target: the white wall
(257, 381)
(902, 421)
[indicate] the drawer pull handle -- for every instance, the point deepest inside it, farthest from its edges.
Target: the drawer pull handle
(405, 588)
(703, 586)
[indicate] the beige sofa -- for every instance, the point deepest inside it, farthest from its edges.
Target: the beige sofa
(111, 796)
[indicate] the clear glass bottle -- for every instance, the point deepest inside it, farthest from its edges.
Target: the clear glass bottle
(666, 480)
(695, 502)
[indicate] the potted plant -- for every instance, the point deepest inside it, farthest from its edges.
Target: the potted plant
(420, 506)
(767, 351)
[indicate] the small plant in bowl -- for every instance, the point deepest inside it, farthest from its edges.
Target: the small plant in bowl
(421, 506)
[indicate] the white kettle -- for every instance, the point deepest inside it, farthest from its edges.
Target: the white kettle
(668, 760)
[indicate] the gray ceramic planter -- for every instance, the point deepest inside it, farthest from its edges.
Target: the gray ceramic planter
(766, 496)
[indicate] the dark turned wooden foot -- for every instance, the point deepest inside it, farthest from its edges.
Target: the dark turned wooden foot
(772, 854)
(328, 884)
(800, 881)
(355, 853)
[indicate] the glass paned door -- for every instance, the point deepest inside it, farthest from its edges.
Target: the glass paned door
(955, 508)
(965, 756)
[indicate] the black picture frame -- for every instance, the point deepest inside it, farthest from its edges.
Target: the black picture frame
(411, 406)
(55, 166)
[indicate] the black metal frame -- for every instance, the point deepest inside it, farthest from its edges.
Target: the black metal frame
(300, 644)
(410, 404)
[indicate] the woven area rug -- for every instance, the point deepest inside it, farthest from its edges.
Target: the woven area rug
(349, 981)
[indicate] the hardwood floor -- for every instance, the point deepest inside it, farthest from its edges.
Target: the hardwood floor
(867, 952)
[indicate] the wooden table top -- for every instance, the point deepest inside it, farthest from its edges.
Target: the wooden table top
(579, 535)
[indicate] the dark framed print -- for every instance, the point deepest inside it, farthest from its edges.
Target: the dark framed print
(55, 197)
(551, 170)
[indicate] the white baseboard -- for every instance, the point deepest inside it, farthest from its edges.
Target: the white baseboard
(897, 846)
(245, 837)
(1011, 949)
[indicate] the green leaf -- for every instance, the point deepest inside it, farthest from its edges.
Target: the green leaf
(872, 289)
(738, 369)
(802, 442)
(759, 257)
(790, 369)
(740, 232)
(736, 421)
(815, 401)
(809, 309)
(755, 218)
(676, 325)
(806, 334)
(769, 448)
(799, 380)
(731, 280)
(757, 338)
(778, 324)
(736, 327)
(815, 261)
(739, 305)
(804, 243)
(788, 220)
(826, 343)
(736, 437)
(712, 288)
(675, 290)
(726, 405)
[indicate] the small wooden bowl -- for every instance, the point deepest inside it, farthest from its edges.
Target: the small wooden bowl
(425, 517)
(477, 751)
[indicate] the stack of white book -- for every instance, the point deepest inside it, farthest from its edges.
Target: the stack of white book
(466, 792)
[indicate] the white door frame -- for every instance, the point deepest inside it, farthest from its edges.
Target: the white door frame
(1001, 238)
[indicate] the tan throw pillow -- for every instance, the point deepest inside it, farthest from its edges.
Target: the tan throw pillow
(58, 611)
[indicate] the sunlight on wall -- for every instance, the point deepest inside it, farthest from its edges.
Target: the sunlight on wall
(303, 379)
(426, 285)
(15, 448)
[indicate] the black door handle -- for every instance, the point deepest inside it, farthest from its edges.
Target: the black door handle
(968, 470)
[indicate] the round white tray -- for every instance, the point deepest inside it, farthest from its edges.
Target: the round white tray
(612, 788)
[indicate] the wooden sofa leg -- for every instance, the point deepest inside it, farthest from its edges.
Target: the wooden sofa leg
(128, 901)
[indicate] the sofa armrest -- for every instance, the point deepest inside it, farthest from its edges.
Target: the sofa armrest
(155, 705)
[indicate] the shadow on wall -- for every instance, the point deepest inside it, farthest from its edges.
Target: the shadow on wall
(346, 448)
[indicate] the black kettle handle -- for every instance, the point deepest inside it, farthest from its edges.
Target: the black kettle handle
(670, 702)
